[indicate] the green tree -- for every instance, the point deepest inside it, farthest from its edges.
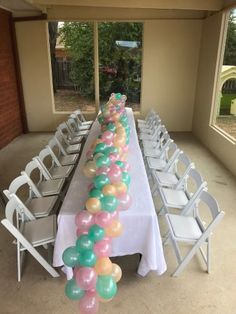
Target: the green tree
(119, 65)
(230, 47)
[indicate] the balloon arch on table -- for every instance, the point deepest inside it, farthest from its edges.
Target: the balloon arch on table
(95, 277)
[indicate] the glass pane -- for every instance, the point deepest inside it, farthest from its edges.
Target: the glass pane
(120, 60)
(226, 113)
(72, 56)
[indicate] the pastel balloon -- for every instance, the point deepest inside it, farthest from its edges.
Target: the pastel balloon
(96, 193)
(115, 215)
(96, 233)
(84, 220)
(109, 189)
(126, 166)
(125, 201)
(111, 127)
(109, 203)
(80, 232)
(115, 229)
(102, 170)
(126, 149)
(103, 266)
(70, 256)
(102, 248)
(120, 163)
(120, 187)
(100, 147)
(87, 258)
(101, 180)
(84, 243)
(86, 278)
(126, 178)
(89, 304)
(111, 150)
(116, 272)
(106, 287)
(73, 291)
(107, 135)
(93, 205)
(113, 157)
(114, 173)
(103, 219)
(89, 169)
(119, 141)
(103, 161)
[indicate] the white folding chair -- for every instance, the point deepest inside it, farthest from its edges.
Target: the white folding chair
(81, 118)
(153, 136)
(190, 228)
(60, 156)
(36, 205)
(166, 158)
(184, 195)
(49, 166)
(149, 116)
(147, 129)
(76, 127)
(29, 234)
(43, 185)
(69, 137)
(66, 148)
(174, 177)
(161, 144)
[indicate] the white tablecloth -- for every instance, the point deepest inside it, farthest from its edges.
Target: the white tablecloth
(141, 230)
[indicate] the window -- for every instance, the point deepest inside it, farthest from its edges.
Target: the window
(226, 96)
(74, 63)
(72, 59)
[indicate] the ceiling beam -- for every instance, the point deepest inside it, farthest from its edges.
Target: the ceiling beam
(208, 5)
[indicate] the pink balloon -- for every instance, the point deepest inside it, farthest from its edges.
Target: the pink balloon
(79, 232)
(125, 149)
(114, 157)
(102, 170)
(103, 219)
(125, 201)
(114, 173)
(86, 278)
(88, 304)
(84, 220)
(107, 135)
(102, 248)
(108, 143)
(115, 215)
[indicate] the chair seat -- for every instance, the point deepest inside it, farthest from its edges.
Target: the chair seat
(150, 144)
(184, 227)
(87, 122)
(174, 198)
(76, 140)
(145, 130)
(82, 133)
(166, 179)
(155, 163)
(68, 160)
(84, 127)
(42, 206)
(61, 172)
(152, 152)
(144, 136)
(71, 149)
(41, 230)
(51, 187)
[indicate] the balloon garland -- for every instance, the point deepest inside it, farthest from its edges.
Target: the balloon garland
(95, 277)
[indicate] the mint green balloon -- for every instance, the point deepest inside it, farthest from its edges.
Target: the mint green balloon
(120, 163)
(70, 256)
(111, 150)
(126, 178)
(96, 193)
(100, 147)
(100, 119)
(96, 233)
(84, 243)
(106, 287)
(72, 291)
(109, 203)
(111, 127)
(100, 180)
(103, 161)
(87, 258)
(118, 96)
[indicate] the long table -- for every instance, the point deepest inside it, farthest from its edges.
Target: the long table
(141, 230)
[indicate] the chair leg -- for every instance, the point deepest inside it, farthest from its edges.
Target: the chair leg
(18, 262)
(208, 256)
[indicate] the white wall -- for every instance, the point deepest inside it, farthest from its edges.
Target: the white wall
(224, 149)
(170, 63)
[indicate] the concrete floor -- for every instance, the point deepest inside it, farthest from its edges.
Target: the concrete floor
(193, 292)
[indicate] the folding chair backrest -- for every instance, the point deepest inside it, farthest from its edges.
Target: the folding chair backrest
(72, 124)
(79, 115)
(170, 153)
(46, 158)
(64, 132)
(182, 166)
(61, 142)
(30, 168)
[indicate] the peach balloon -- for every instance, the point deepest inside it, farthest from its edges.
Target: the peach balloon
(116, 272)
(115, 229)
(89, 169)
(120, 187)
(103, 266)
(93, 205)
(109, 189)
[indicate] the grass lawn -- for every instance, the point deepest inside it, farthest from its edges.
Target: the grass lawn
(226, 102)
